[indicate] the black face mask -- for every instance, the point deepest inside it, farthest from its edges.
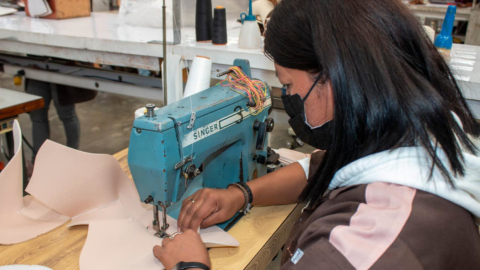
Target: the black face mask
(318, 137)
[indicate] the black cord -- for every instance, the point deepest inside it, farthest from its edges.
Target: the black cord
(29, 145)
(5, 154)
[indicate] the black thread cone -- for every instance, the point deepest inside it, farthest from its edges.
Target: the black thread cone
(203, 20)
(219, 35)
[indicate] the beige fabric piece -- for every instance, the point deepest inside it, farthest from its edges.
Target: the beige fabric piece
(14, 226)
(113, 211)
(125, 244)
(120, 245)
(35, 209)
(81, 182)
(94, 191)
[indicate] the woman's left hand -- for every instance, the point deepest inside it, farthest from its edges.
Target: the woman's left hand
(185, 247)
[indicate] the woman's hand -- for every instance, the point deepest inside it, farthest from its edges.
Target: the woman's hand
(185, 247)
(207, 207)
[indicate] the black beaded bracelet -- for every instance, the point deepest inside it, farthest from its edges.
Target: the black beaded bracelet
(188, 265)
(250, 194)
(247, 205)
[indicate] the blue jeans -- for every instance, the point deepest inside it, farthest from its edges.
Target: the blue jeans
(40, 123)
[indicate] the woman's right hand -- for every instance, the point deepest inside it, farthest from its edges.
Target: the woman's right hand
(208, 207)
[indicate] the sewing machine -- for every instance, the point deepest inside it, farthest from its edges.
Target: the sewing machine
(211, 139)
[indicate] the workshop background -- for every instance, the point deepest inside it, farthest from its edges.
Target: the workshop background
(106, 120)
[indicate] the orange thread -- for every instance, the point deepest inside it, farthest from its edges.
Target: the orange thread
(254, 90)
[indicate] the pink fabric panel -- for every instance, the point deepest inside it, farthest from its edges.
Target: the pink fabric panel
(375, 225)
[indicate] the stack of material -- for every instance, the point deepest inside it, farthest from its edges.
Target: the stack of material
(288, 156)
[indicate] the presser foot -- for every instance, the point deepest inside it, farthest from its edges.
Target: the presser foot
(161, 231)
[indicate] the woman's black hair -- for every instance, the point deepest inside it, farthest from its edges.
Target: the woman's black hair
(391, 87)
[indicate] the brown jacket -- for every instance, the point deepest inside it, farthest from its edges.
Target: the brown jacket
(382, 226)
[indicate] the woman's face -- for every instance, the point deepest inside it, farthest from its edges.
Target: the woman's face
(319, 104)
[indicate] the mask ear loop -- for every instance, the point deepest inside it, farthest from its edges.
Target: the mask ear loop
(305, 98)
(313, 86)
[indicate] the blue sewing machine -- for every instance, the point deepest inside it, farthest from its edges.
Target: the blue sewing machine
(209, 140)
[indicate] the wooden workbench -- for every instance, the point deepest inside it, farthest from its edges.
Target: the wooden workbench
(13, 103)
(261, 234)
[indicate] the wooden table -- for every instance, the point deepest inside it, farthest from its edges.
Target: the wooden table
(261, 235)
(13, 103)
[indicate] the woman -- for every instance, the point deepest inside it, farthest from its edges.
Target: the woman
(40, 121)
(398, 186)
(64, 98)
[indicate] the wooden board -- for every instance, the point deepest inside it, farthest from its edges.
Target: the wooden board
(59, 249)
(22, 108)
(261, 234)
(65, 9)
(13, 103)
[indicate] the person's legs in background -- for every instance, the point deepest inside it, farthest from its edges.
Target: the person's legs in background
(67, 114)
(40, 124)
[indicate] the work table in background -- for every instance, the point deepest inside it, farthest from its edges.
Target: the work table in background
(261, 234)
(101, 39)
(13, 103)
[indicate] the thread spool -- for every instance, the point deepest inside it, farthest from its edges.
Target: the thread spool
(199, 76)
(203, 20)
(219, 35)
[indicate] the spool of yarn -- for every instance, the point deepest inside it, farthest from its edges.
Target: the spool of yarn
(263, 8)
(219, 35)
(203, 20)
(199, 76)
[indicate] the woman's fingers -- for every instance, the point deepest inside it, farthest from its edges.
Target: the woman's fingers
(213, 219)
(202, 212)
(157, 251)
(186, 204)
(191, 213)
(165, 241)
(183, 214)
(207, 207)
(190, 206)
(186, 247)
